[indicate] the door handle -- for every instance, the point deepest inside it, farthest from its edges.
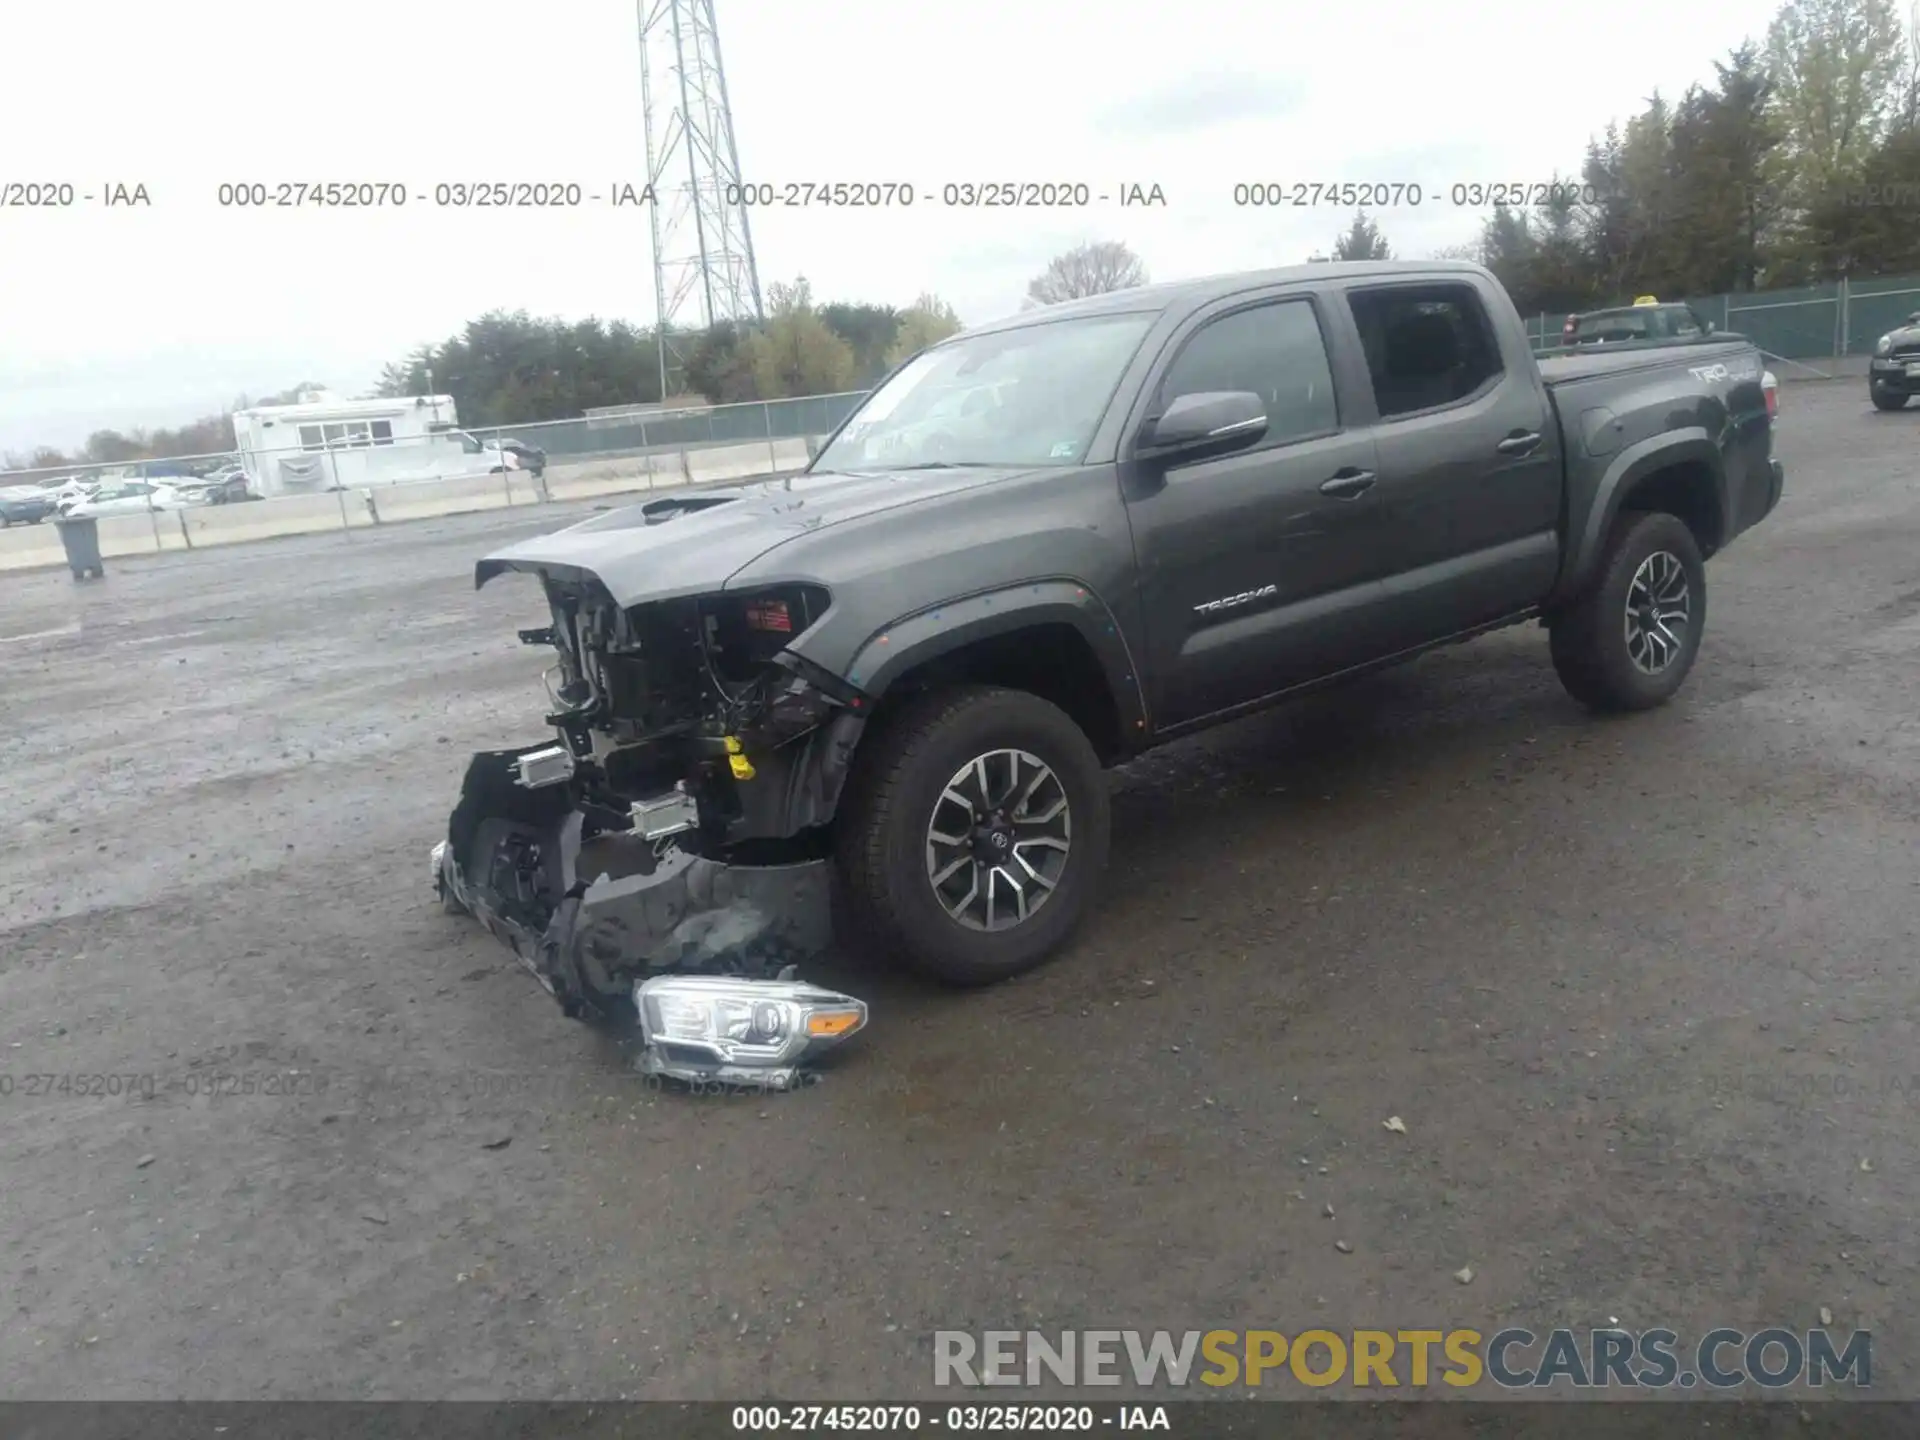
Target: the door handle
(1346, 484)
(1524, 442)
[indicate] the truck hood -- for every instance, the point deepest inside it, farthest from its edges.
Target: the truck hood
(691, 542)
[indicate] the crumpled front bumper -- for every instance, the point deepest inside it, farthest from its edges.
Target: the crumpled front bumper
(629, 912)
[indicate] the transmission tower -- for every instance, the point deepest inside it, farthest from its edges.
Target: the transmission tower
(703, 270)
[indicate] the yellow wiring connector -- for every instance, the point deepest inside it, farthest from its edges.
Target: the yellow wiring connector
(737, 760)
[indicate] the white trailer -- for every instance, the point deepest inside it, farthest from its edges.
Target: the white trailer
(327, 443)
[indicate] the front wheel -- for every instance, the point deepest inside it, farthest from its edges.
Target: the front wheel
(1628, 643)
(974, 834)
(1885, 399)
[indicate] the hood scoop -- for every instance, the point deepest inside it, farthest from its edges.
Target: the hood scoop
(658, 512)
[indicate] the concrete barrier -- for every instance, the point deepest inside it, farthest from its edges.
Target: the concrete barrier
(357, 508)
(34, 546)
(133, 534)
(730, 462)
(208, 525)
(592, 479)
(430, 499)
(26, 547)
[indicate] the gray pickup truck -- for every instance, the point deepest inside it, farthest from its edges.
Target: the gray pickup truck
(880, 694)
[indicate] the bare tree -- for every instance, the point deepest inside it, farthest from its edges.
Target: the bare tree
(1091, 269)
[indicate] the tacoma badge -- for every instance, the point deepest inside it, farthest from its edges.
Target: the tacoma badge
(1245, 597)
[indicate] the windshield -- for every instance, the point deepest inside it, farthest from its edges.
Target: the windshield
(1027, 396)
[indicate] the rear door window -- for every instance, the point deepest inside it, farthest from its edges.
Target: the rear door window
(1427, 346)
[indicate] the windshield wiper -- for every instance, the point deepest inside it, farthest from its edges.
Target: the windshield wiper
(946, 465)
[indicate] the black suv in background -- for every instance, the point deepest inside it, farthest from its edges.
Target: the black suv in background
(1894, 372)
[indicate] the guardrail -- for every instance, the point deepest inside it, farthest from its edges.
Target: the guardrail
(203, 527)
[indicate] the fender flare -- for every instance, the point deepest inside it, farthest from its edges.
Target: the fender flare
(1632, 465)
(940, 629)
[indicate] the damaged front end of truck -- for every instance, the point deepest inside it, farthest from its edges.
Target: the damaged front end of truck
(664, 859)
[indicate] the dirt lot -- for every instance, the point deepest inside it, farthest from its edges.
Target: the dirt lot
(1643, 992)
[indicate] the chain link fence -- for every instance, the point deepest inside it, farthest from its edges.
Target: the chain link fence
(640, 432)
(1801, 327)
(600, 436)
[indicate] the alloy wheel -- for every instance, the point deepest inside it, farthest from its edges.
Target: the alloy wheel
(998, 839)
(1659, 609)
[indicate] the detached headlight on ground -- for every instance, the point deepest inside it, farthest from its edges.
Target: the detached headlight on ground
(739, 1032)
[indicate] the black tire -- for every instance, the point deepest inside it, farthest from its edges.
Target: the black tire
(1590, 641)
(902, 770)
(1884, 399)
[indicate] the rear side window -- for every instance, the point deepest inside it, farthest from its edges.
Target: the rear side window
(1426, 346)
(1274, 351)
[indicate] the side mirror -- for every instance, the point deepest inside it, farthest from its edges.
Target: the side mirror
(1215, 417)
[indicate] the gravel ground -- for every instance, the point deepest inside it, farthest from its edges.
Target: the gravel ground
(1643, 993)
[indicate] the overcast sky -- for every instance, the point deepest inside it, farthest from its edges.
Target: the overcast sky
(142, 317)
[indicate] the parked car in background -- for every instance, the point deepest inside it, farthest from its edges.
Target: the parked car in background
(26, 505)
(503, 454)
(1645, 319)
(517, 455)
(71, 491)
(127, 497)
(223, 487)
(1894, 372)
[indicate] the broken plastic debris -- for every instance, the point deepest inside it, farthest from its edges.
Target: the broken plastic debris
(1395, 1124)
(1464, 1274)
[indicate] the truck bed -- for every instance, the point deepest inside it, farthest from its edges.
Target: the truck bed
(1628, 359)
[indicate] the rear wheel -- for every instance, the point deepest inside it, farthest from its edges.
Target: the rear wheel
(974, 834)
(1629, 642)
(1885, 399)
